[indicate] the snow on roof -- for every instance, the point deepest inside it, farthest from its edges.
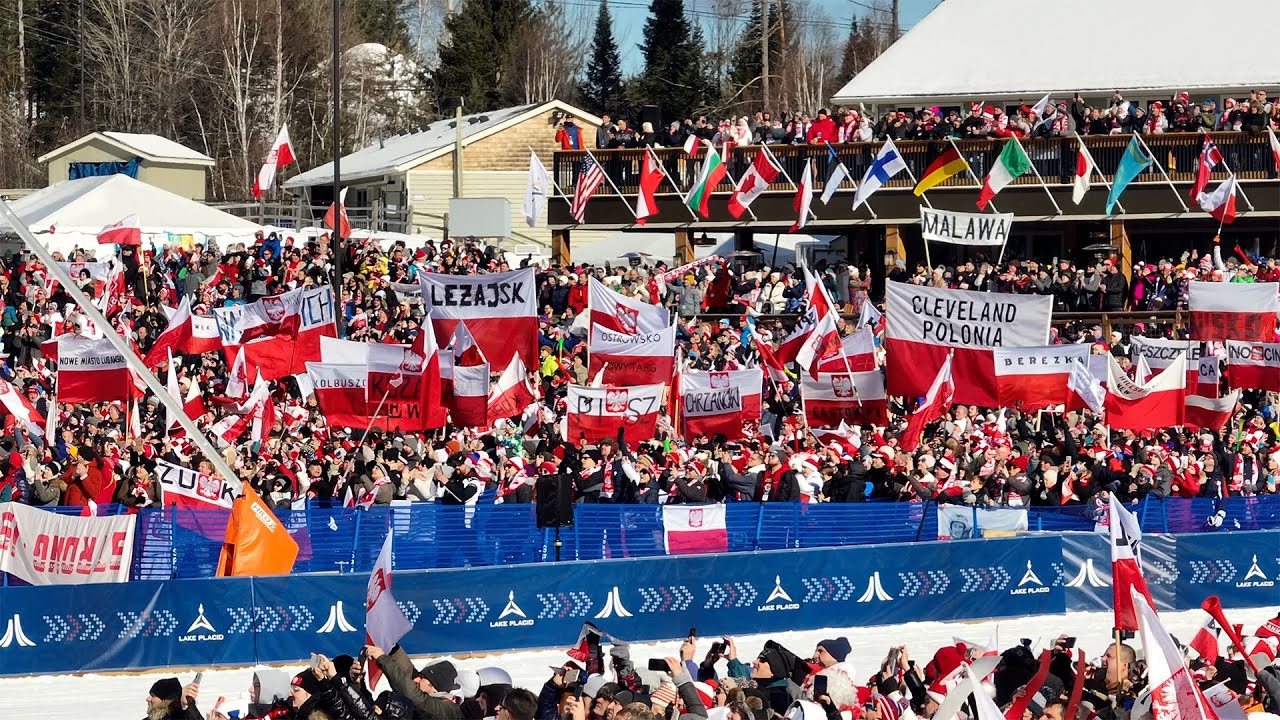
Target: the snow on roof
(978, 50)
(144, 145)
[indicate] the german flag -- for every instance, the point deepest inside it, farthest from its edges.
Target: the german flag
(949, 163)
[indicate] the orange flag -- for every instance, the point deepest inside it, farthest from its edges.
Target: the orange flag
(256, 543)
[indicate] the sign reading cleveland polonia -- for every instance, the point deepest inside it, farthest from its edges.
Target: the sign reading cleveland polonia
(960, 228)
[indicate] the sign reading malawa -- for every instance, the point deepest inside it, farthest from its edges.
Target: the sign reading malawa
(960, 228)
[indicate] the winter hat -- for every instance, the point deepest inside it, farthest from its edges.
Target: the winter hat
(494, 676)
(838, 648)
(946, 659)
(468, 684)
(307, 681)
(342, 664)
(706, 694)
(442, 675)
(167, 689)
(937, 691)
(592, 686)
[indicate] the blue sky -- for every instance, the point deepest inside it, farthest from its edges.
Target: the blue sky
(629, 17)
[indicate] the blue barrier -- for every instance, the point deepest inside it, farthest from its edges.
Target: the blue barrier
(236, 621)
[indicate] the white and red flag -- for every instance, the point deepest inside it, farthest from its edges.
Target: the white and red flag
(1159, 402)
(858, 353)
(1210, 158)
(1175, 693)
(1253, 366)
(926, 324)
(769, 361)
(650, 177)
(753, 183)
(24, 414)
(1207, 641)
(340, 392)
(851, 398)
(512, 393)
(804, 197)
(280, 334)
(126, 231)
(1158, 353)
(1275, 146)
(280, 155)
(384, 622)
(711, 412)
(1221, 203)
(632, 359)
(750, 384)
(1085, 167)
(624, 314)
(1233, 311)
(500, 309)
(470, 403)
(1211, 413)
(598, 413)
(690, 529)
(847, 438)
(1036, 378)
(1084, 390)
(335, 218)
(91, 371)
(937, 401)
(1126, 565)
(184, 335)
(822, 342)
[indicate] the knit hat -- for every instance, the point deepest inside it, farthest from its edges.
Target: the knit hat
(307, 681)
(838, 648)
(167, 689)
(945, 660)
(706, 694)
(937, 691)
(442, 675)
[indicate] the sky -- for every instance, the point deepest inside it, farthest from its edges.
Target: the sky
(629, 17)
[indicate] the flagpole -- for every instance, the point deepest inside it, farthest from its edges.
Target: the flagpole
(1093, 167)
(914, 181)
(634, 214)
(1152, 155)
(969, 169)
(672, 180)
(1037, 173)
(783, 170)
(552, 178)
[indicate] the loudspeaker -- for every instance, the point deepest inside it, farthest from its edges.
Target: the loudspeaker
(651, 114)
(554, 501)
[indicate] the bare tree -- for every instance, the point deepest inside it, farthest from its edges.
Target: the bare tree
(814, 45)
(550, 53)
(239, 41)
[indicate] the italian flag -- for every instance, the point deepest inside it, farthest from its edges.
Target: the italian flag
(709, 176)
(1013, 162)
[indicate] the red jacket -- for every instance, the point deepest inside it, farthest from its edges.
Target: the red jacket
(578, 297)
(822, 130)
(81, 490)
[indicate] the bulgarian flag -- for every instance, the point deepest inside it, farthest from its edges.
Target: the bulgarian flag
(709, 176)
(1012, 163)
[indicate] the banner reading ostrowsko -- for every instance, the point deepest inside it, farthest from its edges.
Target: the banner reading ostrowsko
(854, 398)
(192, 488)
(598, 413)
(959, 228)
(91, 371)
(1253, 366)
(45, 548)
(924, 324)
(281, 333)
(1035, 378)
(501, 311)
(750, 384)
(1233, 311)
(340, 392)
(640, 359)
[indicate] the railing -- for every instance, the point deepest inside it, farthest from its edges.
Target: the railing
(297, 214)
(1249, 156)
(180, 543)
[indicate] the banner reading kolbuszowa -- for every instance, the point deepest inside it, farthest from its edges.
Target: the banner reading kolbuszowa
(340, 393)
(961, 228)
(45, 548)
(924, 324)
(501, 311)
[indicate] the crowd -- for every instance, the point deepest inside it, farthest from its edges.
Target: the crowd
(709, 681)
(1253, 114)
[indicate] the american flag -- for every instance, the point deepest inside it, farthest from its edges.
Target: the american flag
(590, 176)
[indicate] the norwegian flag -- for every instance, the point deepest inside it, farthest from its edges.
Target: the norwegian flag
(1210, 158)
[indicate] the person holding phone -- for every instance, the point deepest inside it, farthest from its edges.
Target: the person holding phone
(170, 700)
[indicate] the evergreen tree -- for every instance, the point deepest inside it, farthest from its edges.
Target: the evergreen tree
(381, 21)
(53, 70)
(601, 90)
(849, 65)
(673, 78)
(476, 54)
(746, 67)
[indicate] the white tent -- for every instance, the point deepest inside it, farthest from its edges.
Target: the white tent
(70, 214)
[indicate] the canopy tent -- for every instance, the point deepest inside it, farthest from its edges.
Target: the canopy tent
(942, 60)
(70, 214)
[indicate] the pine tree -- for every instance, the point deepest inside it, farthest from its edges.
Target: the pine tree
(53, 67)
(601, 89)
(849, 65)
(746, 68)
(380, 21)
(673, 78)
(476, 55)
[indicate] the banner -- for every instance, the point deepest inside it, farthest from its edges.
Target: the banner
(80, 271)
(280, 334)
(184, 486)
(1160, 354)
(1158, 402)
(923, 324)
(45, 548)
(633, 359)
(394, 371)
(1253, 366)
(689, 529)
(1211, 413)
(1233, 311)
(340, 392)
(598, 413)
(709, 413)
(1035, 378)
(960, 522)
(749, 382)
(624, 314)
(852, 398)
(91, 371)
(501, 310)
(859, 348)
(961, 228)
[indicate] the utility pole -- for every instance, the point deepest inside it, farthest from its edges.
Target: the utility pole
(894, 37)
(457, 150)
(764, 53)
(338, 208)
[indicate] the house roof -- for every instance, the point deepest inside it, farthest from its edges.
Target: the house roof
(144, 145)
(975, 50)
(399, 153)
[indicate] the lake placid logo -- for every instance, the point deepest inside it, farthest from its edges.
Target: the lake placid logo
(613, 606)
(779, 598)
(337, 620)
(513, 611)
(13, 634)
(1030, 583)
(201, 630)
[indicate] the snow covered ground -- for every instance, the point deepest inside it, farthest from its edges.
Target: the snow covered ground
(122, 696)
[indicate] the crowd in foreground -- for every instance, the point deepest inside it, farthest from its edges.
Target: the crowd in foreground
(710, 681)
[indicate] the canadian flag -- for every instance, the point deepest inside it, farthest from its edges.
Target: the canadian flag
(91, 371)
(1211, 413)
(384, 621)
(184, 335)
(934, 407)
(1221, 203)
(1127, 582)
(126, 231)
(753, 183)
(650, 177)
(1159, 402)
(512, 393)
(23, 412)
(280, 155)
(689, 529)
(624, 314)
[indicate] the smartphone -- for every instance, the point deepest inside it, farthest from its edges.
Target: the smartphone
(577, 691)
(1068, 643)
(315, 661)
(199, 677)
(693, 632)
(719, 648)
(819, 685)
(658, 665)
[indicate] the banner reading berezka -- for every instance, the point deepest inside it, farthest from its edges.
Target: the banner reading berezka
(501, 311)
(598, 413)
(924, 324)
(45, 548)
(960, 228)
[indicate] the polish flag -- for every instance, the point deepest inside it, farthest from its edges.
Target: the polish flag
(500, 309)
(193, 403)
(384, 621)
(24, 413)
(184, 335)
(280, 155)
(394, 373)
(598, 413)
(773, 367)
(127, 231)
(845, 398)
(694, 529)
(280, 333)
(1233, 311)
(1159, 402)
(859, 349)
(340, 393)
(934, 407)
(175, 392)
(1151, 355)
(1128, 587)
(750, 383)
(464, 348)
(1211, 413)
(823, 341)
(639, 359)
(1036, 378)
(512, 393)
(470, 406)
(238, 378)
(1175, 694)
(847, 438)
(804, 197)
(1221, 203)
(624, 314)
(1206, 641)
(340, 224)
(91, 371)
(1275, 147)
(115, 295)
(1253, 366)
(425, 345)
(650, 177)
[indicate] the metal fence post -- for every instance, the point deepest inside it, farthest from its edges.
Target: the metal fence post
(355, 538)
